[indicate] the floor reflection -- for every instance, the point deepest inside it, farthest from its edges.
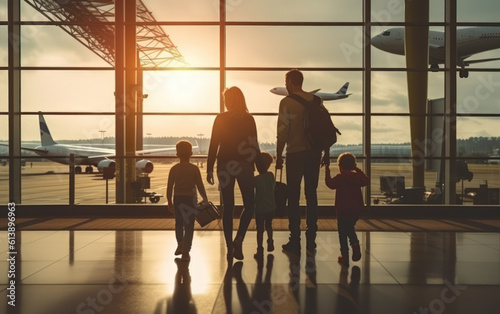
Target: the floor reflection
(181, 301)
(135, 272)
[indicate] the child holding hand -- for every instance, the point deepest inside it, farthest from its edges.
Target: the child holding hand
(348, 203)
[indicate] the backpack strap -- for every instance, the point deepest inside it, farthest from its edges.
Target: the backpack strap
(301, 100)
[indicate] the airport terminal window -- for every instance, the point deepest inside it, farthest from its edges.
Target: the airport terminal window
(387, 11)
(297, 11)
(3, 10)
(257, 85)
(50, 46)
(4, 184)
(256, 36)
(72, 91)
(477, 11)
(180, 10)
(199, 45)
(4, 92)
(389, 92)
(181, 91)
(252, 46)
(479, 93)
(3, 46)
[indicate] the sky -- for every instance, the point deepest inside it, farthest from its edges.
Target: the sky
(259, 46)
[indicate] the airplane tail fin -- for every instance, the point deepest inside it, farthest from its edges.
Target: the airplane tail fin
(45, 136)
(343, 89)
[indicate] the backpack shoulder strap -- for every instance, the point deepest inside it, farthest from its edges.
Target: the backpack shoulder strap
(302, 101)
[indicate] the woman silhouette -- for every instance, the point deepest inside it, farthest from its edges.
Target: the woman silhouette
(234, 145)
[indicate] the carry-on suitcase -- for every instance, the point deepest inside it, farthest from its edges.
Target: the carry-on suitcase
(280, 195)
(206, 213)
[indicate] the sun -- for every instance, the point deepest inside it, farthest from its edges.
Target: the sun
(181, 91)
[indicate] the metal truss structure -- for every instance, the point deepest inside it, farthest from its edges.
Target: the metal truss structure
(92, 24)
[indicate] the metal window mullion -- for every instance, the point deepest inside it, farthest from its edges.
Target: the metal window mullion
(14, 81)
(367, 95)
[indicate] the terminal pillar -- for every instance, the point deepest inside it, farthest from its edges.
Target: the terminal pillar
(14, 74)
(126, 98)
(131, 89)
(417, 62)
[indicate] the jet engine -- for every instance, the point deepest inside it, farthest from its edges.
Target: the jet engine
(144, 166)
(106, 163)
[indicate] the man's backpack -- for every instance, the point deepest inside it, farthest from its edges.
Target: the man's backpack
(320, 130)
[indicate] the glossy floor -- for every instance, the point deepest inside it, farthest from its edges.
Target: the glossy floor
(135, 272)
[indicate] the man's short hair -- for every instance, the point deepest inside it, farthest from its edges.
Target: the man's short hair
(295, 76)
(346, 161)
(184, 149)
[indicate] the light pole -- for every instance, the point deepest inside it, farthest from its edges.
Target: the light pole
(102, 136)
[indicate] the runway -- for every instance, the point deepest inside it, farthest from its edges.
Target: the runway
(48, 182)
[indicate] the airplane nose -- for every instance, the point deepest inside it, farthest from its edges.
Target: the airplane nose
(376, 41)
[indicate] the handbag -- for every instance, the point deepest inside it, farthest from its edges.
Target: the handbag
(280, 195)
(206, 213)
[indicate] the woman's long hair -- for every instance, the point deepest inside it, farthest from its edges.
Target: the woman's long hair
(235, 100)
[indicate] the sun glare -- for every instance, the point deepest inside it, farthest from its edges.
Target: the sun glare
(181, 91)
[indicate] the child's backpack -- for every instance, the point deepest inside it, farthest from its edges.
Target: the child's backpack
(320, 130)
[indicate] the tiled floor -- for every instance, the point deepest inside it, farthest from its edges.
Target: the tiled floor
(134, 272)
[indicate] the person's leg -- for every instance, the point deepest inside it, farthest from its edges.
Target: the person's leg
(269, 228)
(259, 221)
(179, 226)
(190, 209)
(227, 191)
(344, 249)
(351, 234)
(246, 183)
(311, 178)
(353, 240)
(294, 172)
(247, 187)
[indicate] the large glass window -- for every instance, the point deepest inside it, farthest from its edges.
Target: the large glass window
(3, 46)
(64, 78)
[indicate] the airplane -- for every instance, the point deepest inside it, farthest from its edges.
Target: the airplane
(325, 96)
(84, 155)
(470, 41)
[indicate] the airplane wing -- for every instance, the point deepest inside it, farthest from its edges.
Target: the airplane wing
(156, 150)
(40, 151)
(153, 151)
(469, 62)
(315, 91)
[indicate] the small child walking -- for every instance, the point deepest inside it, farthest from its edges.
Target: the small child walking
(265, 205)
(348, 203)
(183, 180)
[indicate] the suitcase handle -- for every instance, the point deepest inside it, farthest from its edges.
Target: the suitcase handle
(281, 174)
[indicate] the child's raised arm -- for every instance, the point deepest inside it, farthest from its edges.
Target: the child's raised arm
(365, 180)
(328, 179)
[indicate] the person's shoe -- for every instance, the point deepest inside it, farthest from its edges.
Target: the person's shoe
(178, 250)
(237, 249)
(270, 245)
(259, 253)
(185, 257)
(344, 260)
(237, 270)
(355, 275)
(291, 247)
(356, 252)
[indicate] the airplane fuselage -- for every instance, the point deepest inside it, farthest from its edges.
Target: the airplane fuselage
(61, 153)
(469, 41)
